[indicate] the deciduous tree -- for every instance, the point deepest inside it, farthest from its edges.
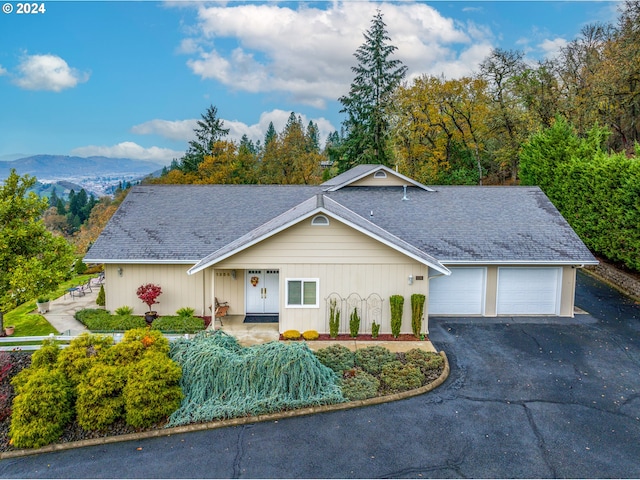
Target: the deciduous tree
(32, 260)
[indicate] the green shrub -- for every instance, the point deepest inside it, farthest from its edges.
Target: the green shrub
(178, 324)
(101, 299)
(79, 267)
(124, 310)
(185, 312)
(397, 304)
(41, 409)
(124, 354)
(337, 357)
(417, 311)
(81, 354)
(375, 329)
(88, 316)
(47, 356)
(359, 385)
(291, 335)
(399, 377)
(354, 323)
(100, 401)
(334, 318)
(98, 320)
(151, 340)
(152, 392)
(125, 322)
(373, 358)
(310, 335)
(424, 360)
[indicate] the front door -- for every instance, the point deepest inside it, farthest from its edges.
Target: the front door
(263, 288)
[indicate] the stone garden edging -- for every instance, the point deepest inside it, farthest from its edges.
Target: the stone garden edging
(233, 422)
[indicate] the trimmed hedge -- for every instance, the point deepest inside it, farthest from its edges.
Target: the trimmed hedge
(98, 320)
(597, 193)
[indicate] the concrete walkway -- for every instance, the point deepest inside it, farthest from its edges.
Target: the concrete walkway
(61, 314)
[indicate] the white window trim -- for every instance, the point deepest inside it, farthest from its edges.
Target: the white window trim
(380, 174)
(324, 223)
(303, 280)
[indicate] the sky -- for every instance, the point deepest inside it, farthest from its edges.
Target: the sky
(128, 79)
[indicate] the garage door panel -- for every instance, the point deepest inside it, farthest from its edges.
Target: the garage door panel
(461, 293)
(528, 291)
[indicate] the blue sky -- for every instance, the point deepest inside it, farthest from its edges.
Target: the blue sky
(129, 79)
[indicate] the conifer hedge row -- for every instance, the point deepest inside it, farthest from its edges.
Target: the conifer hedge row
(597, 192)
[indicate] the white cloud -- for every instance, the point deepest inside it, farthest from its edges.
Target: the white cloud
(129, 150)
(308, 53)
(182, 130)
(3, 71)
(552, 48)
(47, 72)
(173, 130)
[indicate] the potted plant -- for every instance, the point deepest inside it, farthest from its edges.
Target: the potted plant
(8, 330)
(43, 304)
(149, 293)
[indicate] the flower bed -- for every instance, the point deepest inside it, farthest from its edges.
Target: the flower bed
(383, 337)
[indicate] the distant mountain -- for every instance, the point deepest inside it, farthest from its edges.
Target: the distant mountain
(98, 175)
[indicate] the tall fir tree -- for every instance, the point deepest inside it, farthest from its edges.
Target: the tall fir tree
(367, 104)
(209, 130)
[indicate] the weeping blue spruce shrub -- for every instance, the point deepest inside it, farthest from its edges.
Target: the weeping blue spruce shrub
(221, 379)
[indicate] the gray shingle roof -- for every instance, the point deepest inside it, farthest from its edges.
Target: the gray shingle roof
(186, 223)
(472, 224)
(316, 204)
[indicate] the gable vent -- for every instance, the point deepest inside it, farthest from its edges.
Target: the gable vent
(320, 220)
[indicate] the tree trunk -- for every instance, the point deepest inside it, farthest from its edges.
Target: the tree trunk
(1, 322)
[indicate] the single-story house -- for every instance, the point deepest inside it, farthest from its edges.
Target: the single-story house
(290, 251)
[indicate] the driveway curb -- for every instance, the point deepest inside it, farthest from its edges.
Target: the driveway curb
(233, 422)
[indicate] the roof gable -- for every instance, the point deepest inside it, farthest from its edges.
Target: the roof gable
(319, 204)
(371, 175)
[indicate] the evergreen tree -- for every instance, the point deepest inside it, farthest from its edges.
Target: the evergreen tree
(270, 135)
(313, 138)
(367, 104)
(210, 129)
(53, 199)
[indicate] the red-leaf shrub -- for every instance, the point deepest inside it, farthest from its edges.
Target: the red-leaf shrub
(149, 293)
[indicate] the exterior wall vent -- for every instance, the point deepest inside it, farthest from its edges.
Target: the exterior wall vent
(320, 220)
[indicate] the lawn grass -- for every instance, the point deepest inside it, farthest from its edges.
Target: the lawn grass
(28, 322)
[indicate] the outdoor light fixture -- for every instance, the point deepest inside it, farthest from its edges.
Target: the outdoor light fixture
(410, 279)
(120, 271)
(233, 274)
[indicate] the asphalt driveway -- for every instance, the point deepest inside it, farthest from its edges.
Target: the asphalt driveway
(525, 398)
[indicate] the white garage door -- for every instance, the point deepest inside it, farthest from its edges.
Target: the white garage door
(529, 291)
(461, 293)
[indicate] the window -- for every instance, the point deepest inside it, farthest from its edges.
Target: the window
(380, 174)
(302, 292)
(319, 220)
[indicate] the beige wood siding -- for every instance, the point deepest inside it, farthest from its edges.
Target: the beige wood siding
(371, 181)
(178, 289)
(567, 299)
(344, 261)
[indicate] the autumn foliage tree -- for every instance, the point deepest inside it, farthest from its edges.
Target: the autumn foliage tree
(149, 294)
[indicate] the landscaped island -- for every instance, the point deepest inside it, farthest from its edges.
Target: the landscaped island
(95, 388)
